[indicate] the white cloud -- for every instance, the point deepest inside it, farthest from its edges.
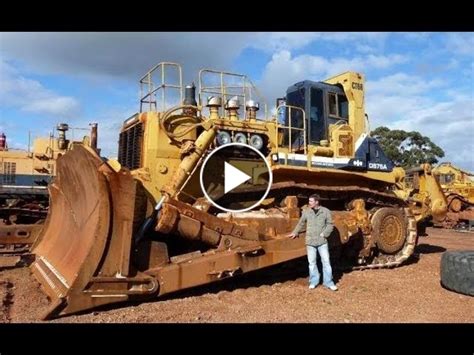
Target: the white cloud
(279, 41)
(364, 48)
(102, 55)
(53, 105)
(401, 83)
(109, 125)
(365, 42)
(382, 61)
(461, 43)
(31, 96)
(284, 70)
(402, 101)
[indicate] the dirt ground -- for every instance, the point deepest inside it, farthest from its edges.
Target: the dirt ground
(410, 293)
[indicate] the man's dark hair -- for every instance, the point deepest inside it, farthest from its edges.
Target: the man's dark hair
(315, 197)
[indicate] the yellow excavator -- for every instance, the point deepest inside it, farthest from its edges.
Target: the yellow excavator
(141, 226)
(458, 186)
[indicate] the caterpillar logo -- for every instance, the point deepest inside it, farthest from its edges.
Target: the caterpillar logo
(357, 86)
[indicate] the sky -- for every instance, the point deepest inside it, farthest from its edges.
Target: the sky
(414, 81)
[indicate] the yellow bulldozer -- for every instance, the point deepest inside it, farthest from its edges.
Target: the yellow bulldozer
(458, 186)
(24, 200)
(162, 217)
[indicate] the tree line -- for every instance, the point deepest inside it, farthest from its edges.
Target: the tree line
(407, 149)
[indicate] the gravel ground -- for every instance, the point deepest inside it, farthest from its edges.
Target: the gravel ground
(411, 293)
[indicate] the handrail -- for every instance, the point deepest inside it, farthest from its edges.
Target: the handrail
(223, 89)
(290, 128)
(148, 90)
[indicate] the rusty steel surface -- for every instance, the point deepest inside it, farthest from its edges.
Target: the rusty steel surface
(80, 213)
(16, 242)
(458, 219)
(18, 237)
(83, 260)
(28, 212)
(389, 227)
(460, 212)
(455, 203)
(79, 218)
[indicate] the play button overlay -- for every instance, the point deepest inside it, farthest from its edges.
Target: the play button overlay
(235, 177)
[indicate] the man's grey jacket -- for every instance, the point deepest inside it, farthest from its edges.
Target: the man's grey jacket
(318, 222)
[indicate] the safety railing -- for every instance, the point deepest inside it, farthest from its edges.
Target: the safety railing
(149, 90)
(293, 138)
(240, 85)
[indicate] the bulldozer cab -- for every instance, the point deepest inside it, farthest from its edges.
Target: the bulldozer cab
(323, 105)
(325, 122)
(328, 106)
(447, 174)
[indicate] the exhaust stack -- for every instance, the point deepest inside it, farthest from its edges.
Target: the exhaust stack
(62, 141)
(94, 130)
(252, 107)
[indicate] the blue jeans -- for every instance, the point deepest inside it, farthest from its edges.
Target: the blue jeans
(313, 267)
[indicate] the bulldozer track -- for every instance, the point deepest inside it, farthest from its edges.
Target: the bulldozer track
(459, 219)
(389, 261)
(16, 251)
(31, 214)
(374, 200)
(340, 193)
(464, 200)
(16, 241)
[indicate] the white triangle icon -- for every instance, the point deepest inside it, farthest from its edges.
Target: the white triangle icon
(233, 177)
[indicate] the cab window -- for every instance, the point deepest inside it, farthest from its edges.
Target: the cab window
(338, 106)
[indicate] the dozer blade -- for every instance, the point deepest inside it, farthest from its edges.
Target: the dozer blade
(83, 257)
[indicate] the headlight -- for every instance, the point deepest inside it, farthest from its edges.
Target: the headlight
(240, 138)
(256, 141)
(223, 138)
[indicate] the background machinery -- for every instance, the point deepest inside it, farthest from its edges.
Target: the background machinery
(458, 186)
(141, 227)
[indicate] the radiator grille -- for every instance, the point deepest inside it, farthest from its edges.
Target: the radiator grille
(130, 146)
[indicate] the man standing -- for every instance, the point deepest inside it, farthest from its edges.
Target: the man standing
(318, 228)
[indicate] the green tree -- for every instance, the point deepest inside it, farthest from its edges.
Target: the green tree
(407, 149)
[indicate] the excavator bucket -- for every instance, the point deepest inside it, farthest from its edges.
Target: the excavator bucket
(83, 257)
